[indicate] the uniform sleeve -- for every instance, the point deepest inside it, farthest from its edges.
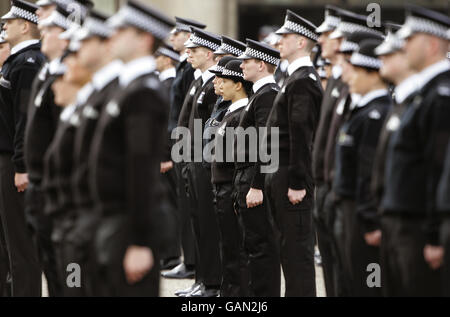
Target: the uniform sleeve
(303, 108)
(262, 107)
(366, 207)
(145, 126)
(21, 82)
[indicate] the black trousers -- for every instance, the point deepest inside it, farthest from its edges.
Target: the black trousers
(206, 230)
(184, 215)
(233, 256)
(359, 254)
(325, 239)
(260, 240)
(405, 270)
(42, 228)
(24, 265)
(445, 239)
(5, 289)
(297, 236)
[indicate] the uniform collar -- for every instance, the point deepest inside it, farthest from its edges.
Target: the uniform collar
(336, 71)
(237, 105)
(367, 98)
(84, 94)
(262, 82)
(197, 74)
(106, 75)
(300, 62)
(432, 71)
(54, 65)
(183, 57)
(23, 45)
(207, 75)
(137, 68)
(168, 73)
(406, 88)
(284, 65)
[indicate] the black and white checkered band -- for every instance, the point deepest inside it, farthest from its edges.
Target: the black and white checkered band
(358, 59)
(24, 14)
(218, 68)
(203, 42)
(394, 41)
(417, 24)
(97, 27)
(348, 46)
(348, 27)
(181, 27)
(57, 19)
(164, 51)
(300, 29)
(231, 49)
(144, 22)
(332, 21)
(227, 72)
(262, 56)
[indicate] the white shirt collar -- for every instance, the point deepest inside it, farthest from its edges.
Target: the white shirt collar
(206, 76)
(137, 68)
(168, 73)
(406, 88)
(197, 74)
(67, 112)
(300, 62)
(336, 71)
(237, 105)
(183, 57)
(284, 65)
(262, 82)
(54, 65)
(23, 45)
(84, 93)
(107, 74)
(432, 71)
(371, 96)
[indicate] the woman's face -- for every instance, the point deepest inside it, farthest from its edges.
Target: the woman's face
(228, 89)
(217, 82)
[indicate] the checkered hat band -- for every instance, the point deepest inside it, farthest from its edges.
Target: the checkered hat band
(97, 27)
(426, 26)
(395, 41)
(24, 14)
(203, 42)
(348, 27)
(227, 72)
(231, 49)
(144, 22)
(348, 46)
(218, 68)
(332, 21)
(300, 29)
(183, 27)
(358, 59)
(164, 51)
(58, 19)
(262, 56)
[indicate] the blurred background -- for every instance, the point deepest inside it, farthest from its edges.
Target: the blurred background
(243, 19)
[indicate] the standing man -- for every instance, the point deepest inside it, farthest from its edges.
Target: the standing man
(181, 88)
(43, 116)
(416, 154)
(125, 157)
(18, 71)
(290, 190)
(259, 64)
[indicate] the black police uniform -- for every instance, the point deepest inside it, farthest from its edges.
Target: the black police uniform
(259, 237)
(18, 72)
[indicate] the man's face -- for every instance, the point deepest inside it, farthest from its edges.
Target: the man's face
(395, 67)
(178, 39)
(45, 11)
(52, 45)
(162, 63)
(361, 81)
(123, 43)
(329, 46)
(289, 45)
(217, 81)
(91, 52)
(76, 73)
(198, 56)
(13, 30)
(347, 69)
(415, 47)
(250, 67)
(5, 51)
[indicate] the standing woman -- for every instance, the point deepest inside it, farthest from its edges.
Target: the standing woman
(237, 90)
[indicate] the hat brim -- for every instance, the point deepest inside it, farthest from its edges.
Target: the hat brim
(117, 22)
(284, 30)
(404, 33)
(245, 57)
(385, 49)
(336, 34)
(221, 52)
(190, 44)
(9, 16)
(324, 27)
(44, 3)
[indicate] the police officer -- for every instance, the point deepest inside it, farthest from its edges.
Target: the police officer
(43, 115)
(18, 71)
(290, 190)
(415, 154)
(259, 64)
(125, 157)
(181, 87)
(200, 49)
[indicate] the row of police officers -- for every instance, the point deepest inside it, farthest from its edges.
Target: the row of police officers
(132, 144)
